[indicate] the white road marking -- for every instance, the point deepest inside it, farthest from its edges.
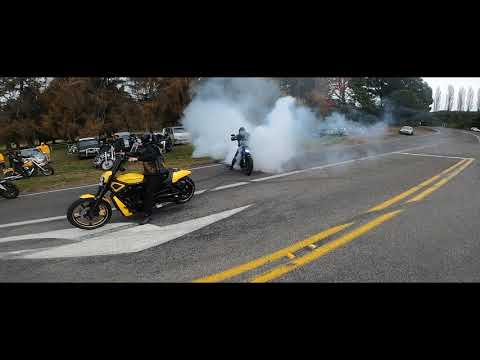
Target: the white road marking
(205, 167)
(36, 221)
(430, 155)
(69, 234)
(338, 164)
(52, 191)
(478, 137)
(229, 186)
(54, 218)
(133, 239)
(11, 254)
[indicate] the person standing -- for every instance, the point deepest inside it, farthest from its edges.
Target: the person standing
(45, 149)
(155, 172)
(2, 162)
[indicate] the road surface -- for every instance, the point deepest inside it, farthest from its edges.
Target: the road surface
(404, 209)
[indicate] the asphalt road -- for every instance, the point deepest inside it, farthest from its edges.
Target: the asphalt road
(404, 209)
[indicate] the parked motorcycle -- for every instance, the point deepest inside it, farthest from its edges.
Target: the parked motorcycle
(105, 158)
(124, 191)
(31, 167)
(8, 189)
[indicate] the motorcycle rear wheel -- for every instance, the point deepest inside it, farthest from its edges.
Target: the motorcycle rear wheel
(77, 214)
(187, 186)
(248, 165)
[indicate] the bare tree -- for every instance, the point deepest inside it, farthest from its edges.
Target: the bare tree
(461, 99)
(449, 98)
(478, 99)
(437, 99)
(469, 101)
(338, 89)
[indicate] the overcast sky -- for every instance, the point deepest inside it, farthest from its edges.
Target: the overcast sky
(457, 82)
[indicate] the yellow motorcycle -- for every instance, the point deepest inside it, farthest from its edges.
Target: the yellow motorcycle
(31, 167)
(124, 191)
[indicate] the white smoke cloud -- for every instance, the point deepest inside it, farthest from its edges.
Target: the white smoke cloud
(278, 126)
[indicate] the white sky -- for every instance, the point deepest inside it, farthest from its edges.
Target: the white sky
(456, 82)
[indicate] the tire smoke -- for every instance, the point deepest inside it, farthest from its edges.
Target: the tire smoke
(278, 125)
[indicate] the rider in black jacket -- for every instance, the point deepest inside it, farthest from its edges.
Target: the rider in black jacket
(16, 161)
(155, 173)
(118, 144)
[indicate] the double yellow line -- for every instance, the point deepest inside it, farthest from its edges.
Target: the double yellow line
(295, 262)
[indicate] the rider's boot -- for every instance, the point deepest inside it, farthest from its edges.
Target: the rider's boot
(147, 217)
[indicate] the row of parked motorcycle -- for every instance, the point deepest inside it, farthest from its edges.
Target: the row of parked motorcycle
(108, 153)
(32, 162)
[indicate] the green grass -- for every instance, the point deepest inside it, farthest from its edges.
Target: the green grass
(70, 171)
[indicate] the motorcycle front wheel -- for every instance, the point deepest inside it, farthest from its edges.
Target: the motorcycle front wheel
(78, 214)
(11, 192)
(47, 170)
(107, 165)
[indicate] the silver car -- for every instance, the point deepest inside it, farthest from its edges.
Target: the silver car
(178, 134)
(407, 130)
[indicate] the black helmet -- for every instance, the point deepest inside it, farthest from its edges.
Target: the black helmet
(147, 138)
(241, 129)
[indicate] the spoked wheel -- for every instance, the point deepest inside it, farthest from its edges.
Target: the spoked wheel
(107, 164)
(11, 192)
(48, 170)
(187, 188)
(78, 214)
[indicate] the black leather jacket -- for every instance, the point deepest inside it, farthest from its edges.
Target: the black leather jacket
(153, 160)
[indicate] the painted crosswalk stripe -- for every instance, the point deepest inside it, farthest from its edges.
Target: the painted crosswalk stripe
(229, 186)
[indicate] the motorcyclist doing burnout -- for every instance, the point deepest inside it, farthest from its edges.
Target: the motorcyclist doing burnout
(243, 138)
(155, 173)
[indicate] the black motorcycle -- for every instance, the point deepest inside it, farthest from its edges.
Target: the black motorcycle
(8, 190)
(246, 160)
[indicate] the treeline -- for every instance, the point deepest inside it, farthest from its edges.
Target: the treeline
(43, 109)
(463, 100)
(365, 97)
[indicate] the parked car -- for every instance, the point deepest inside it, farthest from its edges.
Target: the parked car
(406, 130)
(178, 134)
(168, 141)
(475, 129)
(126, 138)
(88, 147)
